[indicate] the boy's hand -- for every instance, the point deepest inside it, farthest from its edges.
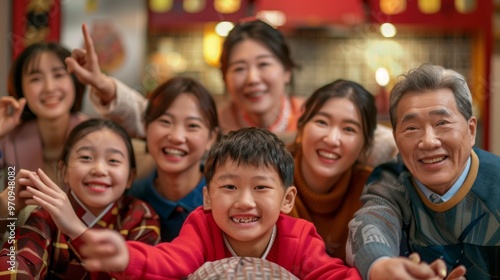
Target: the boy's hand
(85, 65)
(48, 195)
(104, 250)
(10, 113)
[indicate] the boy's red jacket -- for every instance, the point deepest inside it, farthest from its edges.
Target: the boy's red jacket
(297, 248)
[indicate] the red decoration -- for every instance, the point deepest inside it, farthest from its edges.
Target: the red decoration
(34, 21)
(317, 12)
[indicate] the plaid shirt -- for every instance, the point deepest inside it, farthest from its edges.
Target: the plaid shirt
(42, 251)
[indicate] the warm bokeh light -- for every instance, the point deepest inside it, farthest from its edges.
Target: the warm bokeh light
(160, 6)
(274, 18)
(388, 30)
(222, 28)
(193, 6)
(465, 6)
(227, 6)
(392, 7)
(429, 6)
(382, 76)
(212, 45)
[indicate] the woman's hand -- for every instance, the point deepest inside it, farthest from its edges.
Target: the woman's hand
(85, 65)
(10, 113)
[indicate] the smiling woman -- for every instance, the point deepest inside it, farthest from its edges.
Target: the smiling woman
(32, 136)
(38, 79)
(181, 125)
(335, 130)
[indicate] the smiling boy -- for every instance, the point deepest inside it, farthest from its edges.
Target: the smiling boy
(249, 174)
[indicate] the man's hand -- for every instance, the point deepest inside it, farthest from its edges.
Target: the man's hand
(413, 268)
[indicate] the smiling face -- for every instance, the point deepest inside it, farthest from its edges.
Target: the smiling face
(48, 87)
(433, 138)
(246, 202)
(179, 138)
(331, 142)
(255, 78)
(98, 169)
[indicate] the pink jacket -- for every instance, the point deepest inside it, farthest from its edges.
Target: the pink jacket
(22, 148)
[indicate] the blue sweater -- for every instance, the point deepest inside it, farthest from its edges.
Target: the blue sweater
(463, 230)
(172, 213)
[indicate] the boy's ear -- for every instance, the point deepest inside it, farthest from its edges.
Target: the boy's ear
(288, 200)
(207, 203)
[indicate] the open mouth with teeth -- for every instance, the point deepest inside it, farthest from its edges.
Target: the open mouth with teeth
(328, 155)
(244, 220)
(51, 100)
(97, 187)
(174, 152)
(433, 160)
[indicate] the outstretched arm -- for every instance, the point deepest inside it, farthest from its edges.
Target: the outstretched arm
(109, 97)
(377, 227)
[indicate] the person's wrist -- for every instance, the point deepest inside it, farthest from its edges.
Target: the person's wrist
(107, 89)
(76, 232)
(3, 205)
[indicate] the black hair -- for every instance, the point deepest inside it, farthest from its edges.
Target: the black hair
(357, 94)
(29, 59)
(89, 126)
(251, 146)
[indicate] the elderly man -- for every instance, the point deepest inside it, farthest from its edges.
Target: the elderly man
(442, 198)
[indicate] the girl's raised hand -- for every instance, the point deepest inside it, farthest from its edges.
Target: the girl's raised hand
(54, 200)
(85, 65)
(10, 113)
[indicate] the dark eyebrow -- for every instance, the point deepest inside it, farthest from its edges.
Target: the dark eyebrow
(233, 176)
(351, 121)
(189, 118)
(85, 148)
(258, 57)
(53, 69)
(109, 150)
(437, 112)
(115, 151)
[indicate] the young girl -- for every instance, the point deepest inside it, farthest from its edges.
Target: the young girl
(98, 165)
(336, 128)
(181, 126)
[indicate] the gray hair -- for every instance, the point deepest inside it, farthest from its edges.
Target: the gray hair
(429, 77)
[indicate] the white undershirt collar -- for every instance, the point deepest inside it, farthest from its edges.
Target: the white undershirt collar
(266, 252)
